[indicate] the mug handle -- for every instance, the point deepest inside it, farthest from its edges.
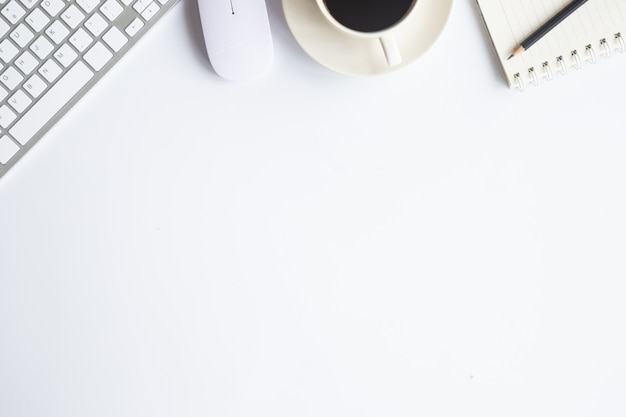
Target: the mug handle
(392, 53)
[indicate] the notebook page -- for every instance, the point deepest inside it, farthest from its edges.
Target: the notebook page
(509, 22)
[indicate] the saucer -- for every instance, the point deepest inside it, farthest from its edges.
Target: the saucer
(361, 57)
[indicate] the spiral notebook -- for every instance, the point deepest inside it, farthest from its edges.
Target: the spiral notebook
(591, 33)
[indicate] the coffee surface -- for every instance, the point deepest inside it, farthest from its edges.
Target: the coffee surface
(368, 15)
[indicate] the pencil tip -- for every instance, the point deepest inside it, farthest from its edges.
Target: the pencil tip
(511, 56)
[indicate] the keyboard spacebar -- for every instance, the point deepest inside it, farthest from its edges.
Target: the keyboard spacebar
(51, 102)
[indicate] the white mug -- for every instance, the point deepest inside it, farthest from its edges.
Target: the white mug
(385, 36)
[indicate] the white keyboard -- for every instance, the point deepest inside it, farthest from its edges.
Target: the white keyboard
(52, 52)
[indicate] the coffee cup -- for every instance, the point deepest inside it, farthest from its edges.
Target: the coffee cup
(370, 19)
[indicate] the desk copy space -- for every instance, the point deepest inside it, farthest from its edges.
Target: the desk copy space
(427, 242)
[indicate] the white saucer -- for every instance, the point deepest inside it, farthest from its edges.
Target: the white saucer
(358, 57)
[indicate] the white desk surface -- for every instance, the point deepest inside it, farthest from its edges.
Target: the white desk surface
(423, 243)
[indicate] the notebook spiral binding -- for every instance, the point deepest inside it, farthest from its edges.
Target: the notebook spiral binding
(574, 59)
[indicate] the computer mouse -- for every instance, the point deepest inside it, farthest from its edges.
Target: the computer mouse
(237, 37)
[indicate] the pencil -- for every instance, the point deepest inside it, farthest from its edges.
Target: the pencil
(547, 27)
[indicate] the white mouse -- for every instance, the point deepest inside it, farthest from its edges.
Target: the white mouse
(237, 37)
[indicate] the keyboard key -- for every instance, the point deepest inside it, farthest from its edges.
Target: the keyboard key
(13, 12)
(50, 70)
(29, 4)
(37, 20)
(98, 56)
(57, 32)
(115, 39)
(8, 50)
(96, 24)
(111, 9)
(134, 27)
(6, 116)
(35, 86)
(88, 5)
(41, 47)
(20, 101)
(11, 78)
(72, 16)
(3, 93)
(22, 35)
(140, 5)
(50, 103)
(65, 55)
(8, 149)
(150, 11)
(4, 27)
(53, 7)
(81, 40)
(26, 63)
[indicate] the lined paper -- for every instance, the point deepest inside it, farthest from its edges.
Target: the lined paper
(509, 22)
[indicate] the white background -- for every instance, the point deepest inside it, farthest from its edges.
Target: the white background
(421, 243)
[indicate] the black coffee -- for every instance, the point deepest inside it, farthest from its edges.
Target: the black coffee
(368, 15)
